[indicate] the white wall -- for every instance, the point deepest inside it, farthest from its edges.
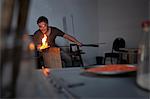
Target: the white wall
(81, 18)
(121, 18)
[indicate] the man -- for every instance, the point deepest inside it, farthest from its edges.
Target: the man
(51, 33)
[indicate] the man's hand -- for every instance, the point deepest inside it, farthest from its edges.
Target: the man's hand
(79, 44)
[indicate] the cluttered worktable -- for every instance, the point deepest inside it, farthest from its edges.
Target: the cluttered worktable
(77, 84)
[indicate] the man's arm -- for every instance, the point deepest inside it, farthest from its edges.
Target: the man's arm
(72, 39)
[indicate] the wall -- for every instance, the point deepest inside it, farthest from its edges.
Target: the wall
(76, 17)
(121, 18)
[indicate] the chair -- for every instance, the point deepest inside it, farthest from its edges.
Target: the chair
(75, 54)
(115, 53)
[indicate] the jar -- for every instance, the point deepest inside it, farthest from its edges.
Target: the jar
(143, 72)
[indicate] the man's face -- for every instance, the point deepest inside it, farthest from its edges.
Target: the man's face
(43, 27)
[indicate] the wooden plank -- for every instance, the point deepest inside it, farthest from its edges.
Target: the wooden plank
(52, 58)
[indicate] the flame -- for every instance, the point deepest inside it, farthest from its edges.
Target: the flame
(44, 43)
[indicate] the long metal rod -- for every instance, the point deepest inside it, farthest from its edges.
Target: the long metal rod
(87, 45)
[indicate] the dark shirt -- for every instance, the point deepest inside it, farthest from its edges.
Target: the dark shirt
(38, 35)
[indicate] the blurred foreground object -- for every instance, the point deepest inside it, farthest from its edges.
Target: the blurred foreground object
(143, 74)
(17, 62)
